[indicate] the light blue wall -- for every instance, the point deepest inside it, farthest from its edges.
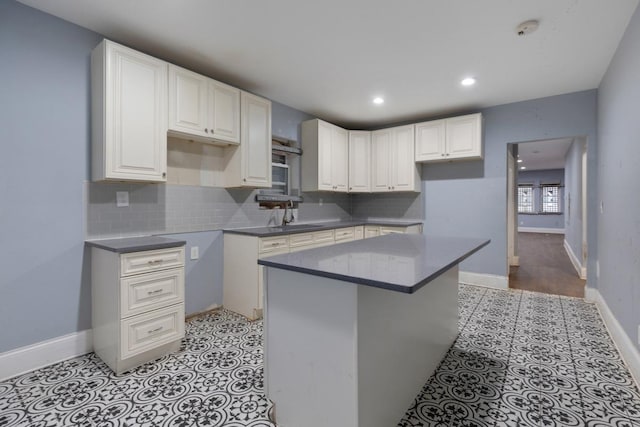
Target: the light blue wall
(470, 198)
(44, 117)
(538, 178)
(45, 287)
(619, 157)
(573, 197)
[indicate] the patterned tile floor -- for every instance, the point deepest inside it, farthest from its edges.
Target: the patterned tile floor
(527, 359)
(522, 359)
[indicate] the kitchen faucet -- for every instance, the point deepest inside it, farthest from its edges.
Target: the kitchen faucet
(286, 221)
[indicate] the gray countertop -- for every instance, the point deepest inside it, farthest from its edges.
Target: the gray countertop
(305, 228)
(397, 262)
(135, 244)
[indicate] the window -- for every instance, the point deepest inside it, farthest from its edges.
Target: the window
(550, 198)
(525, 199)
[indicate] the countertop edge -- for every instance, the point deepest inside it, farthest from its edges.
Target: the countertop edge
(319, 226)
(136, 244)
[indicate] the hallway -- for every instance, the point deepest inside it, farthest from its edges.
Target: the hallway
(545, 266)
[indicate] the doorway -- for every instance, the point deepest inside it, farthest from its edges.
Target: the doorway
(546, 215)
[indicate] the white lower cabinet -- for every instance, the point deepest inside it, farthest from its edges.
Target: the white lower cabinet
(137, 305)
(243, 277)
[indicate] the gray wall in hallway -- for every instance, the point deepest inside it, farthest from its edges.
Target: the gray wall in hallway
(470, 198)
(44, 117)
(573, 197)
(619, 157)
(538, 178)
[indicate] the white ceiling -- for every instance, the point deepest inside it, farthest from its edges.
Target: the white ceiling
(547, 154)
(331, 57)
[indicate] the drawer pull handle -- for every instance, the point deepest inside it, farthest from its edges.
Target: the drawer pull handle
(154, 262)
(153, 331)
(275, 244)
(157, 291)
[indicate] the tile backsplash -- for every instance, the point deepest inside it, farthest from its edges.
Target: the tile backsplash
(167, 208)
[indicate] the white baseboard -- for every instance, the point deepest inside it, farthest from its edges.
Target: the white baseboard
(514, 261)
(486, 280)
(582, 271)
(540, 230)
(627, 350)
(38, 355)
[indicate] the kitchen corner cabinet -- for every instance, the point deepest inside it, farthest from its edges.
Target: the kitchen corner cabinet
(325, 159)
(129, 115)
(249, 164)
(137, 305)
(449, 139)
(392, 160)
(359, 161)
(203, 109)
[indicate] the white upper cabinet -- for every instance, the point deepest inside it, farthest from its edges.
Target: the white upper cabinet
(129, 114)
(392, 160)
(249, 164)
(203, 109)
(359, 161)
(449, 139)
(325, 159)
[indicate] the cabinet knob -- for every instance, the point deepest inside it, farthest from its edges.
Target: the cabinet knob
(206, 130)
(244, 179)
(164, 174)
(442, 154)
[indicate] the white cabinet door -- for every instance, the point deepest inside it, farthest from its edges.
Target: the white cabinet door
(449, 139)
(188, 102)
(255, 145)
(325, 162)
(224, 112)
(403, 168)
(129, 115)
(359, 162)
(202, 108)
(339, 159)
(325, 156)
(430, 140)
(464, 137)
(380, 150)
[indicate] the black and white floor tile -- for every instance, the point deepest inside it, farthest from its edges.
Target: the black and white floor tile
(214, 380)
(521, 359)
(527, 359)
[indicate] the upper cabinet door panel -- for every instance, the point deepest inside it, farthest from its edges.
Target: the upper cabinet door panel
(340, 159)
(359, 161)
(325, 156)
(256, 141)
(224, 112)
(464, 137)
(430, 140)
(380, 152)
(129, 102)
(403, 159)
(187, 101)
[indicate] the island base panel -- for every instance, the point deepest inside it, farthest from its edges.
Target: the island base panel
(337, 353)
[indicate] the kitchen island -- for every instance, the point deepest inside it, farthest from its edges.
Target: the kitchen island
(353, 331)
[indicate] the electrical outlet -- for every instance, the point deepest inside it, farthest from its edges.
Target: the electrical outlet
(122, 199)
(638, 334)
(598, 269)
(195, 252)
(319, 202)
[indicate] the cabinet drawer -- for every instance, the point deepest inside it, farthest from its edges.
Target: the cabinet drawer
(148, 261)
(391, 230)
(323, 237)
(273, 244)
(302, 239)
(343, 234)
(147, 331)
(151, 291)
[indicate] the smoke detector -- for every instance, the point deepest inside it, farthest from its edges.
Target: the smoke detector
(527, 27)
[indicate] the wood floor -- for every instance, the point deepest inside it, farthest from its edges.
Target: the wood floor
(545, 266)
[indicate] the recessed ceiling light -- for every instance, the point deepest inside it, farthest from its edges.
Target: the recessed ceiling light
(519, 160)
(522, 167)
(378, 100)
(469, 81)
